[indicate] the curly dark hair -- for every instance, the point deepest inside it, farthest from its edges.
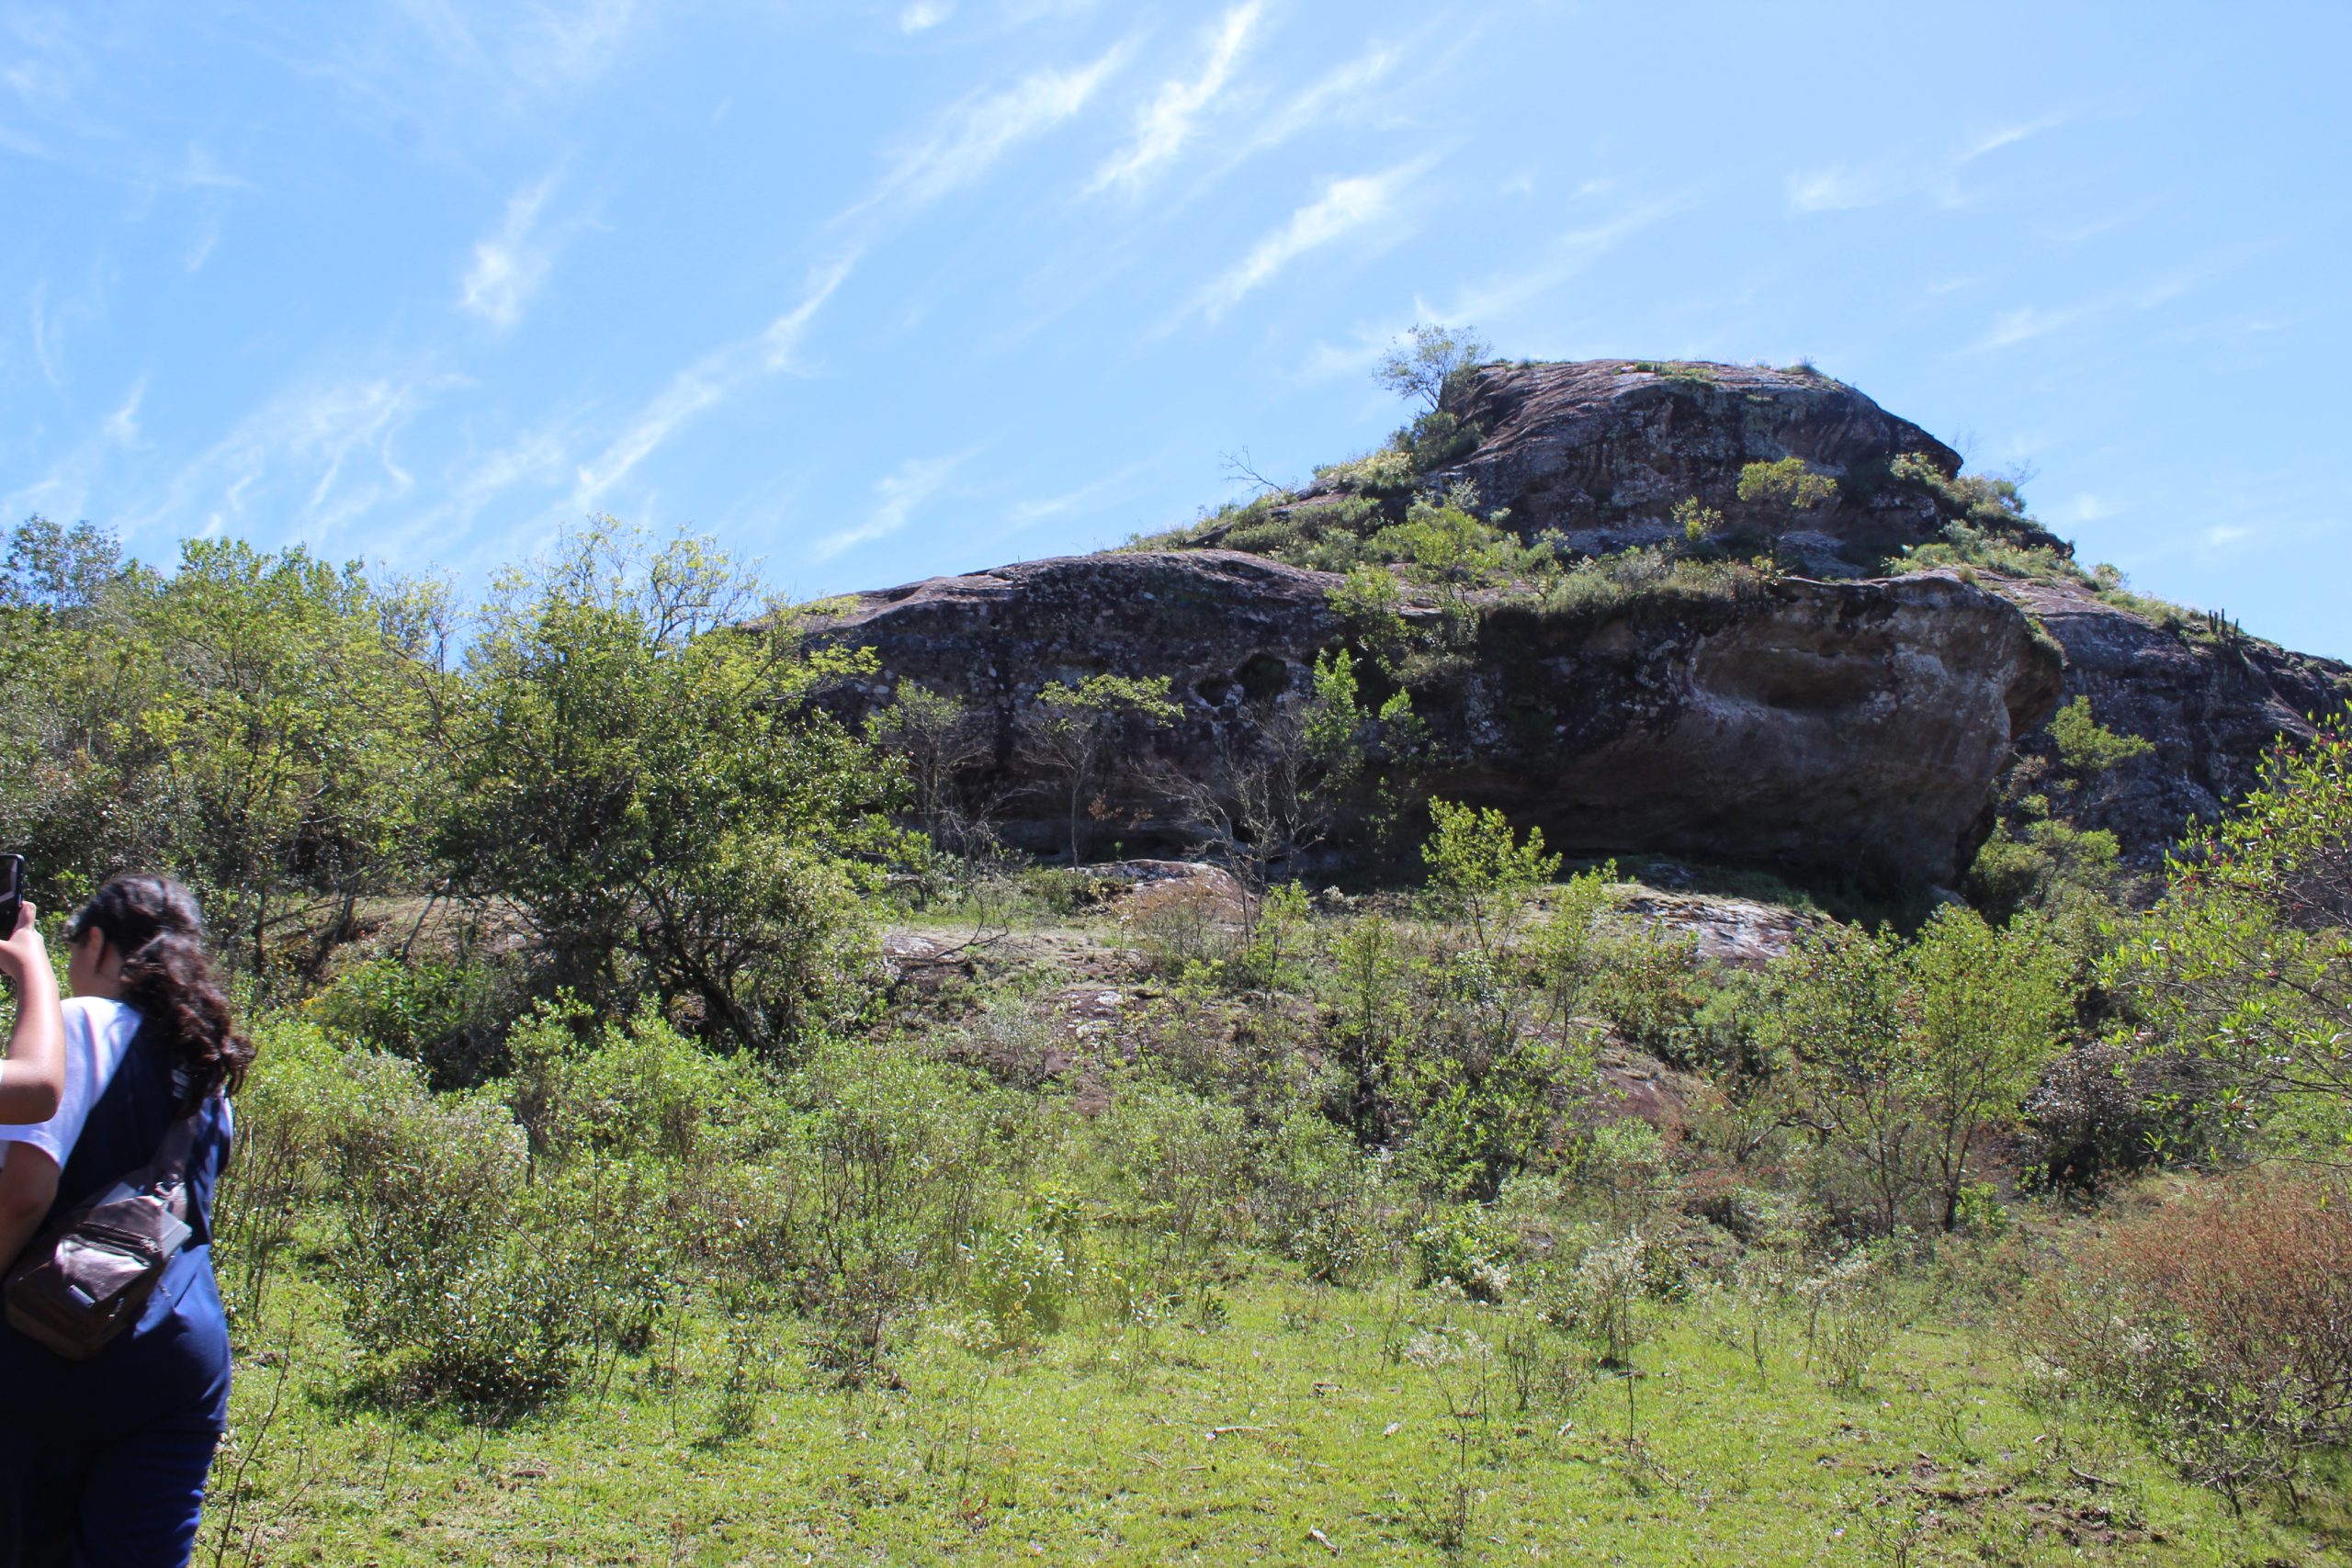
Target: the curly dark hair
(167, 977)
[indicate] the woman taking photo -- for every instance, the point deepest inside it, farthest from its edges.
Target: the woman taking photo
(103, 1461)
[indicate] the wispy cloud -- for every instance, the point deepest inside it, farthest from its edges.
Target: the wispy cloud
(924, 15)
(2085, 507)
(1342, 88)
(1170, 119)
(1563, 259)
(510, 264)
(2010, 135)
(1028, 513)
(1841, 189)
(51, 321)
(897, 495)
(1344, 206)
(1492, 298)
(1846, 187)
(706, 383)
(2026, 322)
(969, 138)
(960, 148)
(2029, 321)
(573, 41)
(321, 455)
(121, 428)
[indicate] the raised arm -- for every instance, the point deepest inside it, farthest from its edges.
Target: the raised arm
(32, 1076)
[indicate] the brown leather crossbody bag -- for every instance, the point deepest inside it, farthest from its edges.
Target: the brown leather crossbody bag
(85, 1278)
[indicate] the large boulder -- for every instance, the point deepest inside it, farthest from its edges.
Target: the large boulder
(1853, 727)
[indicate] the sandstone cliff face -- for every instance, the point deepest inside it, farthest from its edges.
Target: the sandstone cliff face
(2210, 710)
(1853, 727)
(1602, 450)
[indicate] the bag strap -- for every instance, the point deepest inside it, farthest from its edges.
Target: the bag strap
(169, 1167)
(166, 1174)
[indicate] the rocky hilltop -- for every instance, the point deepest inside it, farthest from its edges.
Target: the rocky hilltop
(1600, 451)
(1845, 716)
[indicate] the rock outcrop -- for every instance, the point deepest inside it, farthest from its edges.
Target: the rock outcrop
(2210, 708)
(1842, 721)
(1857, 727)
(1601, 451)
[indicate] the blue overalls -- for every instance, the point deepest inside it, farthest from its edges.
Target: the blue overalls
(103, 1462)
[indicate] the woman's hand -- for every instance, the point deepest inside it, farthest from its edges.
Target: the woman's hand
(32, 1077)
(22, 949)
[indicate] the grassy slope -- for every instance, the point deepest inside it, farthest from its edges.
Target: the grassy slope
(1103, 1445)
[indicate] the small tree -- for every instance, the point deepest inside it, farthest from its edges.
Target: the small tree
(938, 737)
(1786, 490)
(1843, 1014)
(1430, 364)
(1078, 732)
(1482, 871)
(1699, 522)
(637, 777)
(1275, 791)
(1992, 1002)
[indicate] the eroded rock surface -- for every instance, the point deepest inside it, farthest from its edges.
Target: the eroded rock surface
(1856, 727)
(2209, 708)
(1739, 934)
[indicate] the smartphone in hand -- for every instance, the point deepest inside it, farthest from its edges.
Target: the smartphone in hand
(12, 892)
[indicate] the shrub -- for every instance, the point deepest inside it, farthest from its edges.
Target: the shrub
(464, 1279)
(639, 1089)
(449, 1017)
(1021, 1280)
(898, 1159)
(1851, 1312)
(1603, 1301)
(1182, 1167)
(277, 1163)
(1178, 928)
(1464, 1246)
(2222, 1325)
(2248, 960)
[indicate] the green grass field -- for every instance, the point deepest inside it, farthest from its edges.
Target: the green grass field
(1274, 1421)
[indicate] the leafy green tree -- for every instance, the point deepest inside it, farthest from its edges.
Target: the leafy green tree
(1699, 522)
(1481, 871)
(1430, 364)
(637, 775)
(1079, 733)
(1371, 967)
(2087, 746)
(2037, 860)
(1843, 1014)
(1992, 1004)
(1569, 947)
(1371, 607)
(1276, 790)
(252, 723)
(288, 751)
(2247, 961)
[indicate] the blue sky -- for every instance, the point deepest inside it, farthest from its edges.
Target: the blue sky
(876, 291)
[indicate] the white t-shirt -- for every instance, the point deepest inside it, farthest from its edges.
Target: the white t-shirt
(97, 1031)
